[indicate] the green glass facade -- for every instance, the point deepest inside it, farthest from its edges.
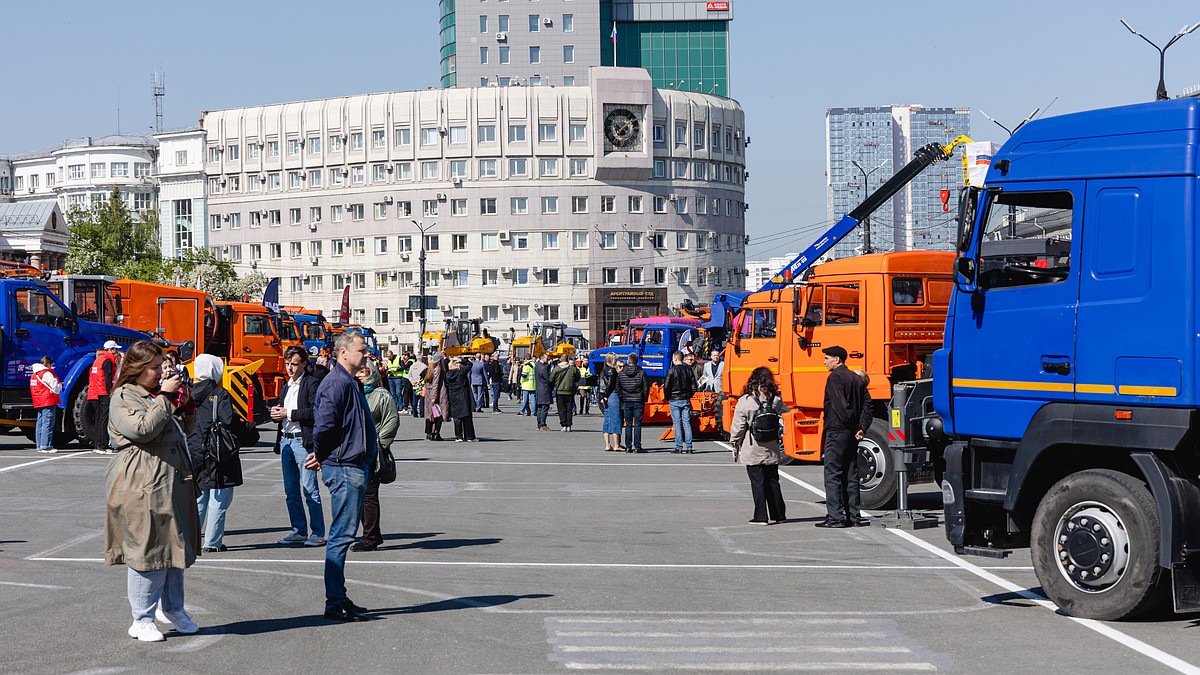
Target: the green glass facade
(685, 55)
(449, 41)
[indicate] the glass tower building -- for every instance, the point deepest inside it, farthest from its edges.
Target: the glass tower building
(865, 147)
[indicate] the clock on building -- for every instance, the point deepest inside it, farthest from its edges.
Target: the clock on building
(622, 128)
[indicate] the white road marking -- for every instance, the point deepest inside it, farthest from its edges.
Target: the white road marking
(648, 566)
(66, 545)
(45, 586)
(197, 643)
(1091, 624)
(1101, 628)
(40, 461)
(733, 634)
(757, 648)
(743, 666)
(677, 465)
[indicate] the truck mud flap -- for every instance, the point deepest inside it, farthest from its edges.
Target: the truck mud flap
(1185, 587)
(953, 496)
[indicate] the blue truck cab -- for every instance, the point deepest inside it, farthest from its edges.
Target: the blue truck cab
(314, 332)
(1067, 382)
(653, 339)
(37, 323)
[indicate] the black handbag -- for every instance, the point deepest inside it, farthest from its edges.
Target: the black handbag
(385, 466)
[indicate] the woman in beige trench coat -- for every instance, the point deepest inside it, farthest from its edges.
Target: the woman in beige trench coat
(151, 526)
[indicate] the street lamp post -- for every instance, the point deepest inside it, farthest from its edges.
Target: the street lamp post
(423, 228)
(1162, 54)
(867, 221)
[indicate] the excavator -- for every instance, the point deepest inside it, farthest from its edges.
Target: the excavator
(546, 337)
(459, 337)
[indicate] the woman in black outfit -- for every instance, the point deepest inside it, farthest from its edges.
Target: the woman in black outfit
(458, 382)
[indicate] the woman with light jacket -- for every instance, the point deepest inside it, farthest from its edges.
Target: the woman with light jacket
(610, 403)
(761, 460)
(437, 398)
(151, 524)
(215, 476)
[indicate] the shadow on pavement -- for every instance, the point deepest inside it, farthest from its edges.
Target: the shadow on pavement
(1012, 599)
(259, 626)
(258, 530)
(443, 544)
(469, 602)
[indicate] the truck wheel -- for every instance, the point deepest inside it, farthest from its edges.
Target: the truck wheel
(876, 470)
(1095, 546)
(77, 421)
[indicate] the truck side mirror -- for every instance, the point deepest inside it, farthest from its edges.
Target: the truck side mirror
(187, 350)
(965, 279)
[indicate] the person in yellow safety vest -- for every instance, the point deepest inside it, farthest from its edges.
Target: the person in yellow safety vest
(585, 390)
(528, 389)
(396, 376)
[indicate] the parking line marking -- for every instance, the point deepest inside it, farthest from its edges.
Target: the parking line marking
(1097, 626)
(65, 545)
(39, 461)
(1133, 643)
(737, 666)
(651, 566)
(675, 465)
(45, 586)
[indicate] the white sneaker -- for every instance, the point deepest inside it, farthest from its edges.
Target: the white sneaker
(47, 451)
(181, 620)
(314, 540)
(145, 631)
(293, 538)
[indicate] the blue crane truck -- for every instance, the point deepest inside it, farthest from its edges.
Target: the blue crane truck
(36, 324)
(1066, 391)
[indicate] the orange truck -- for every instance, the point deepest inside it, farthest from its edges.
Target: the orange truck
(887, 310)
(188, 319)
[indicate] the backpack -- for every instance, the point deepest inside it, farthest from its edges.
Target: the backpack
(766, 426)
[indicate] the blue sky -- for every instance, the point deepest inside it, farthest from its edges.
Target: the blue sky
(790, 61)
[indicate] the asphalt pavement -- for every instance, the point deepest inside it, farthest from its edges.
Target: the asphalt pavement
(538, 552)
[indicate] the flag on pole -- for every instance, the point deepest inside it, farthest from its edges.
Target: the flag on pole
(614, 33)
(271, 295)
(344, 312)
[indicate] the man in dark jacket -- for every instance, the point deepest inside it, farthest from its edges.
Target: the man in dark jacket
(678, 388)
(479, 382)
(632, 387)
(545, 391)
(344, 447)
(847, 417)
(496, 379)
(565, 380)
(293, 442)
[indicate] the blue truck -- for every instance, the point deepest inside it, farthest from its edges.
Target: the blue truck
(653, 339)
(36, 324)
(1067, 390)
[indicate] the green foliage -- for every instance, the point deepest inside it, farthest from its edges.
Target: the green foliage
(106, 238)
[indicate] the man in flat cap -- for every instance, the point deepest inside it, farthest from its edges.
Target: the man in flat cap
(847, 417)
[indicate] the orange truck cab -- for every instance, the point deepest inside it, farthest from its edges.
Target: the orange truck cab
(887, 310)
(245, 332)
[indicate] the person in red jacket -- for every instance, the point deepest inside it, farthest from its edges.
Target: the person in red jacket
(45, 387)
(100, 385)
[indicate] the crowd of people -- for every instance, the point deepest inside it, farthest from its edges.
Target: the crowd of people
(336, 418)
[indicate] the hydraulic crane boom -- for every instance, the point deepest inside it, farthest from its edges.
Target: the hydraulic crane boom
(922, 159)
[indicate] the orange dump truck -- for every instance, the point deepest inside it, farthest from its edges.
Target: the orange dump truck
(887, 310)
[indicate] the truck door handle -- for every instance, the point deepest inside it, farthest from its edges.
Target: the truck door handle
(855, 355)
(21, 332)
(772, 359)
(245, 349)
(1057, 367)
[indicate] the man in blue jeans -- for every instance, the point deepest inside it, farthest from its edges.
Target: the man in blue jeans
(293, 442)
(633, 387)
(344, 449)
(678, 388)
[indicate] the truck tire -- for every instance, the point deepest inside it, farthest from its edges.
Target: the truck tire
(76, 422)
(1095, 545)
(876, 470)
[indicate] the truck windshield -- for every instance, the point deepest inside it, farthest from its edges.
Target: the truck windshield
(1026, 239)
(37, 306)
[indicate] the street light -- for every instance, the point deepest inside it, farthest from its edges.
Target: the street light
(867, 221)
(423, 228)
(1162, 53)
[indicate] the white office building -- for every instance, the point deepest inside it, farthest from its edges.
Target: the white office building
(586, 204)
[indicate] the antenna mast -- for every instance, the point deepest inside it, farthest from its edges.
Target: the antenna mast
(158, 87)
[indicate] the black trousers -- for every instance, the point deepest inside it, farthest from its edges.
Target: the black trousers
(433, 427)
(464, 428)
(840, 454)
(95, 413)
(764, 487)
(565, 403)
(371, 535)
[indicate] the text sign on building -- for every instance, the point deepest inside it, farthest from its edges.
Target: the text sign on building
(717, 6)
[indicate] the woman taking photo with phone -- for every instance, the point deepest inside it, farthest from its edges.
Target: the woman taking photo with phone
(152, 526)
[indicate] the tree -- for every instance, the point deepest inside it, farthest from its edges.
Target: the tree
(106, 238)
